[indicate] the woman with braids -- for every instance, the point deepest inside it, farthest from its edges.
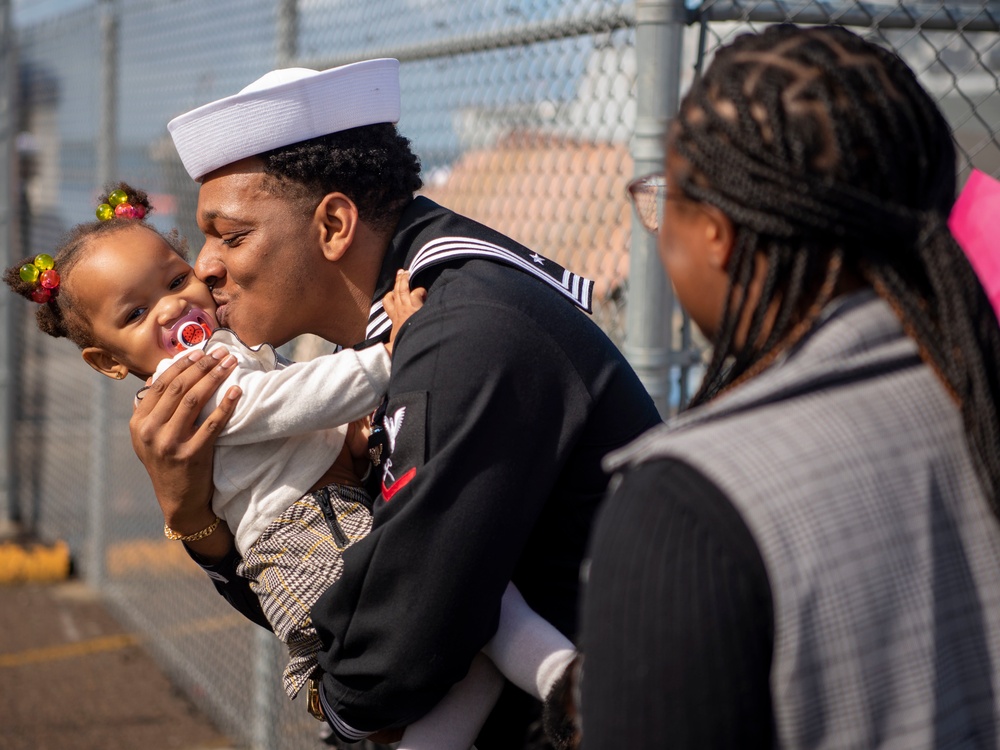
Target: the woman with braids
(287, 472)
(809, 556)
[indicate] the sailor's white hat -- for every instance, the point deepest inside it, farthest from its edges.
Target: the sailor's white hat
(284, 107)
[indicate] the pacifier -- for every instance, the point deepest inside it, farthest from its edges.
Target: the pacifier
(188, 331)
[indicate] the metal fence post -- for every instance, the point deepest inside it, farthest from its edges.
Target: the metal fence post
(648, 327)
(8, 251)
(287, 32)
(100, 419)
(266, 700)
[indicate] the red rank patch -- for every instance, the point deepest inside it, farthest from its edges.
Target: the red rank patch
(388, 492)
(404, 423)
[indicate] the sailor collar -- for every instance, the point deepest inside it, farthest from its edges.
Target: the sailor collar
(408, 250)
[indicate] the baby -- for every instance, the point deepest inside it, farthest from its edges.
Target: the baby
(126, 295)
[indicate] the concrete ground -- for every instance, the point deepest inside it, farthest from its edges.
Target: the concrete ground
(71, 678)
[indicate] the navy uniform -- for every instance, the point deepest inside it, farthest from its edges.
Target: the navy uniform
(503, 400)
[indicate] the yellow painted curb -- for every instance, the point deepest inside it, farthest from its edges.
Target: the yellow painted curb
(68, 650)
(21, 563)
(64, 651)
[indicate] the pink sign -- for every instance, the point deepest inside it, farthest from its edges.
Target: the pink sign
(975, 224)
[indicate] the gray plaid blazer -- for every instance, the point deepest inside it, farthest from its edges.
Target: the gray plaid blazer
(849, 464)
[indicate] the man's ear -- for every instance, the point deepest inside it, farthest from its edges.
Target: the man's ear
(336, 216)
(719, 235)
(102, 361)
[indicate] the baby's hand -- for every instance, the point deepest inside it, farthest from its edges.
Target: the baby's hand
(357, 437)
(401, 303)
(356, 446)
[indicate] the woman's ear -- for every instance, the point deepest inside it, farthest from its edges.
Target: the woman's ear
(719, 236)
(336, 217)
(104, 363)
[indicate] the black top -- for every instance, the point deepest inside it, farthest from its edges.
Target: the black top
(503, 399)
(677, 623)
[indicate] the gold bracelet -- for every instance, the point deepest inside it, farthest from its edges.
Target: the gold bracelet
(169, 533)
(313, 704)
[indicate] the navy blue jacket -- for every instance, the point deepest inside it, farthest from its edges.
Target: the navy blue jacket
(503, 399)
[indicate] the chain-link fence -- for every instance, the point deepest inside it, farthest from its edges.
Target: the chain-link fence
(529, 115)
(954, 47)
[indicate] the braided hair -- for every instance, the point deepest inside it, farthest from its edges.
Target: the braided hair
(832, 162)
(59, 316)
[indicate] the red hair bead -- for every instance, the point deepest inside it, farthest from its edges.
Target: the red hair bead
(49, 279)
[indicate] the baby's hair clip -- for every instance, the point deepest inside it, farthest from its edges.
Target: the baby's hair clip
(119, 207)
(41, 273)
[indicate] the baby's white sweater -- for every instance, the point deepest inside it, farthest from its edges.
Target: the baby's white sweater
(288, 427)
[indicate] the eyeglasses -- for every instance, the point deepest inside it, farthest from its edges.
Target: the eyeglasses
(649, 197)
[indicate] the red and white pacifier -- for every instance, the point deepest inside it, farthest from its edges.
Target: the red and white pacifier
(189, 331)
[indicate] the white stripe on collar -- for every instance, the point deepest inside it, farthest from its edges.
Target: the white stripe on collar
(378, 321)
(577, 288)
